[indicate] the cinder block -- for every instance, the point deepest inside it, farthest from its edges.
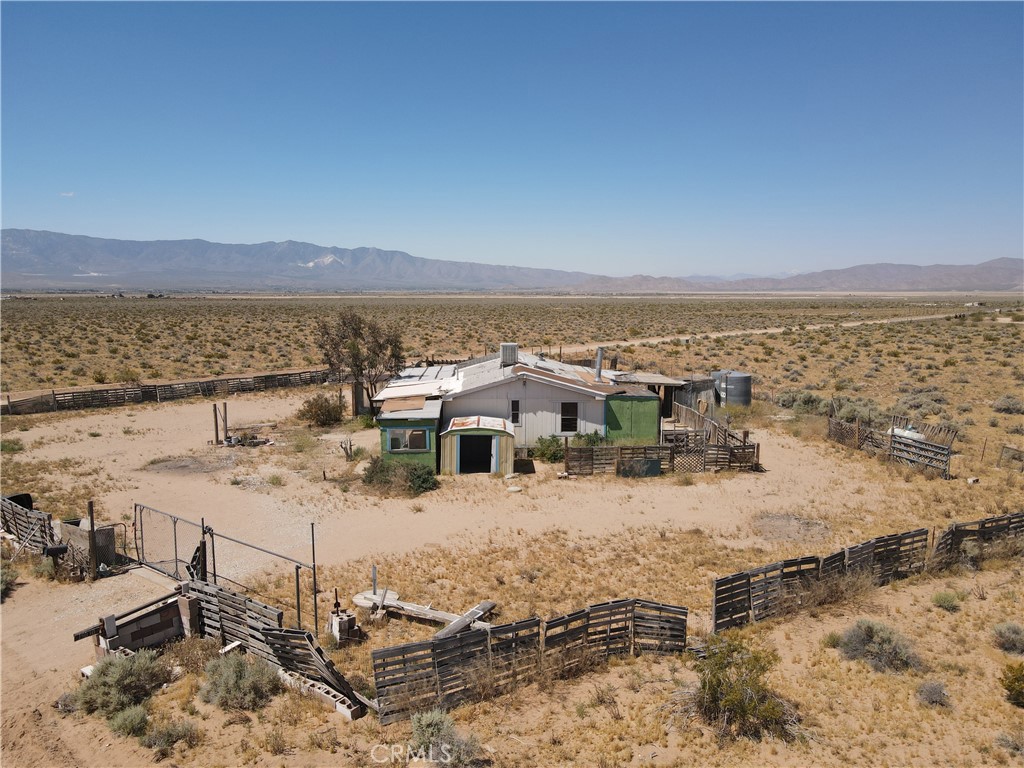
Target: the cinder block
(109, 626)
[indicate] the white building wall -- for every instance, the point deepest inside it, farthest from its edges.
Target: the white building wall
(539, 406)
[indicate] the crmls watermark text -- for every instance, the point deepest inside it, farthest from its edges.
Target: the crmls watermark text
(403, 753)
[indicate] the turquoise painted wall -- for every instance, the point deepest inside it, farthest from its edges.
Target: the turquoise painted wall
(427, 458)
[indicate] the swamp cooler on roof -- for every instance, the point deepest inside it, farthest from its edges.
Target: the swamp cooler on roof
(733, 387)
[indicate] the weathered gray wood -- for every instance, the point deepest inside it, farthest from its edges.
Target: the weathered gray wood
(480, 610)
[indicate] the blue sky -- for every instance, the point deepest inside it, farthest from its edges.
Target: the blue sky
(616, 138)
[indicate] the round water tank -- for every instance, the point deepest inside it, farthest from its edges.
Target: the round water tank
(733, 386)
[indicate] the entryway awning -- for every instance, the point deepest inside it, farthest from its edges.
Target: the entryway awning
(490, 423)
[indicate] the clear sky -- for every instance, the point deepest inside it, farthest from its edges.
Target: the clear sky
(616, 138)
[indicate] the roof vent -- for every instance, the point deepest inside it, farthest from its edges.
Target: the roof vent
(509, 354)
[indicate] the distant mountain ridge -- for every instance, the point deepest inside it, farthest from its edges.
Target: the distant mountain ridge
(40, 260)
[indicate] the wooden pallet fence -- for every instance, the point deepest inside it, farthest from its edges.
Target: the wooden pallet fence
(155, 393)
(297, 651)
(659, 628)
(31, 528)
(933, 452)
(948, 547)
(405, 680)
(462, 665)
(610, 628)
(899, 555)
(730, 605)
(514, 653)
(565, 643)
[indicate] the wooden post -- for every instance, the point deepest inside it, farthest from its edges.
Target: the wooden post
(225, 421)
(983, 447)
(216, 426)
(53, 396)
(298, 599)
(565, 454)
(92, 542)
(316, 611)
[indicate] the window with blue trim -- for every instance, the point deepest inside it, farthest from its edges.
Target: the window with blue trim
(407, 440)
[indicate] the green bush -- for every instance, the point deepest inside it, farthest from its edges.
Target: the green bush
(12, 445)
(399, 477)
(120, 682)
(590, 439)
(879, 645)
(421, 478)
(434, 738)
(8, 578)
(192, 654)
(1008, 404)
(237, 682)
(1012, 680)
(131, 721)
(947, 601)
(322, 411)
(801, 401)
(733, 694)
(550, 449)
(1009, 636)
(163, 737)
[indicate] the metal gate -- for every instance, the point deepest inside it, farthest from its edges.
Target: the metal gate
(186, 550)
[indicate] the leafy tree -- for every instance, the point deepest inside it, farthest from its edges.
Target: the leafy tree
(360, 347)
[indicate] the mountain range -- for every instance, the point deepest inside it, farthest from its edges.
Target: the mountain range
(40, 260)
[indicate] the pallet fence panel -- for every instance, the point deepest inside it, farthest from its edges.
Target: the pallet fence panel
(766, 591)
(833, 565)
(860, 557)
(731, 602)
(688, 462)
(610, 627)
(565, 642)
(462, 665)
(899, 554)
(30, 527)
(405, 680)
(659, 628)
(108, 397)
(515, 653)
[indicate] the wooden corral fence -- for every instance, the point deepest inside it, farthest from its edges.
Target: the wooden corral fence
(32, 529)
(933, 452)
(948, 549)
(197, 608)
(675, 457)
(481, 663)
(67, 400)
(1012, 457)
(775, 589)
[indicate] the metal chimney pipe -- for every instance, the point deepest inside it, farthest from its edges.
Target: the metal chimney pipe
(598, 363)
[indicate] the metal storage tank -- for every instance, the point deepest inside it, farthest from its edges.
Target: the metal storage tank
(734, 387)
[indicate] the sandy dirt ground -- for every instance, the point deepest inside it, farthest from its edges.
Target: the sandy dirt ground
(160, 456)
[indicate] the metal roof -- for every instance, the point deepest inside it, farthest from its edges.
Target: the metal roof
(642, 377)
(430, 409)
(492, 423)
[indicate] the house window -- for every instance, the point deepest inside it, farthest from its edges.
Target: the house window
(514, 417)
(570, 417)
(407, 440)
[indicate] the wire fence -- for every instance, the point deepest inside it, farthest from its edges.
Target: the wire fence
(184, 549)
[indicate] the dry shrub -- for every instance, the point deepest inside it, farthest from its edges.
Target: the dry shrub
(192, 654)
(1012, 679)
(933, 694)
(879, 645)
(1009, 636)
(236, 682)
(841, 589)
(120, 682)
(733, 695)
(163, 736)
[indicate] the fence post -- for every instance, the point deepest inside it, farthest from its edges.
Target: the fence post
(216, 426)
(92, 541)
(298, 601)
(213, 554)
(316, 610)
(174, 529)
